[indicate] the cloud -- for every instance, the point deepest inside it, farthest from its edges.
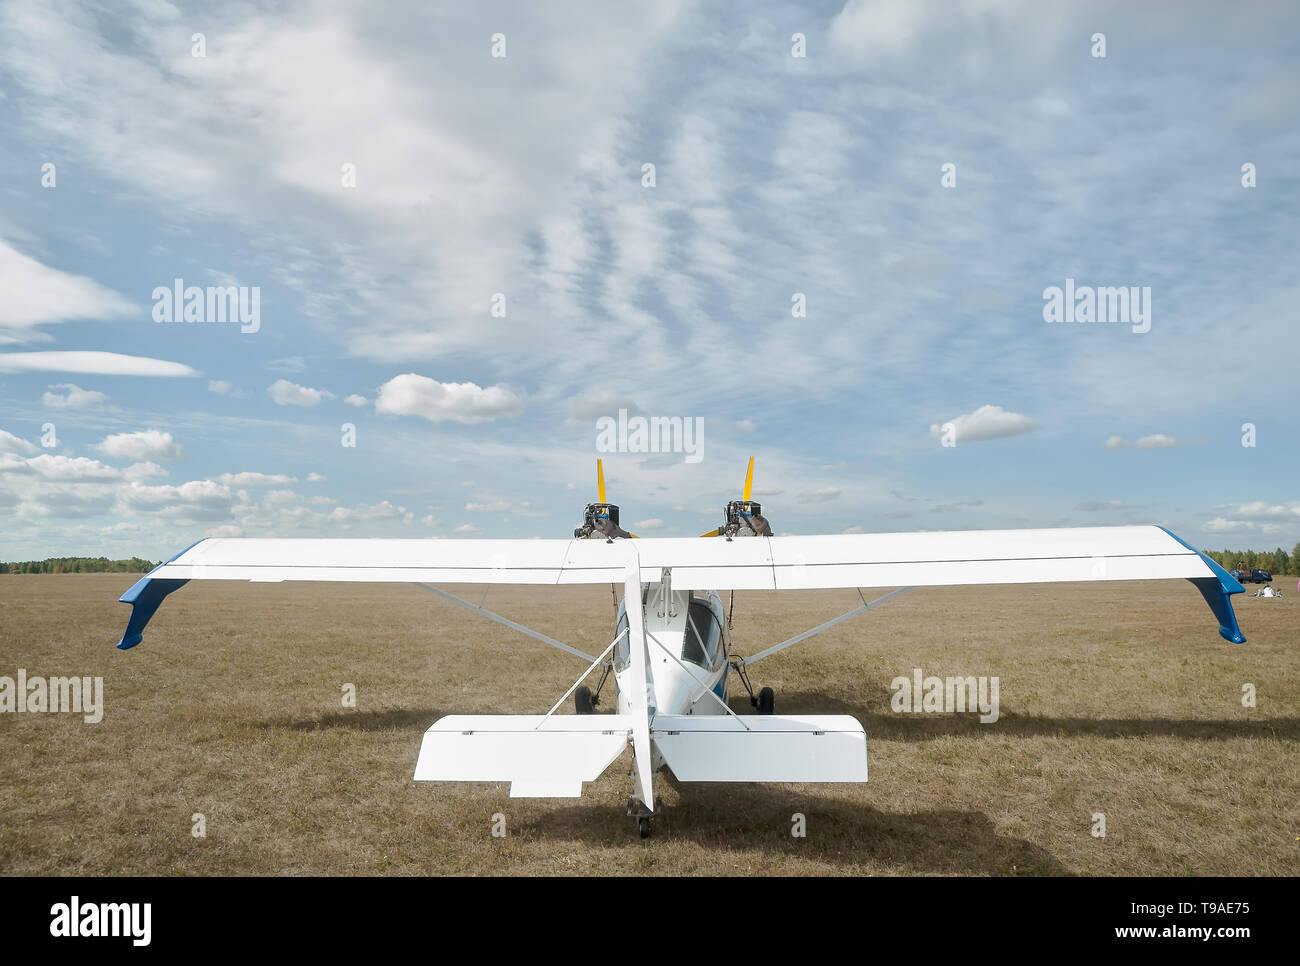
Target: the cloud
(654, 523)
(286, 393)
(987, 422)
(70, 470)
(315, 478)
(822, 495)
(355, 400)
(467, 528)
(35, 294)
(499, 506)
(463, 402)
(1223, 525)
(1259, 510)
(149, 444)
(9, 443)
(224, 387)
(588, 407)
(143, 471)
(92, 363)
(379, 511)
(1154, 441)
(74, 398)
(195, 500)
(1099, 506)
(255, 479)
(745, 425)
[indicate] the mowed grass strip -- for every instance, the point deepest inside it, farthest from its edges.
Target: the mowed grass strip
(1118, 699)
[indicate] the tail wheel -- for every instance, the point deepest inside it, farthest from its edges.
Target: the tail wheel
(582, 700)
(766, 701)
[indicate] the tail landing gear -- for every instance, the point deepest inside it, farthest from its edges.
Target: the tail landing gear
(636, 808)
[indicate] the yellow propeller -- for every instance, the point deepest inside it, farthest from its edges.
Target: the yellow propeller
(749, 489)
(600, 488)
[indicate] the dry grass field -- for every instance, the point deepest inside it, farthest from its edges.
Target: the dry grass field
(1115, 698)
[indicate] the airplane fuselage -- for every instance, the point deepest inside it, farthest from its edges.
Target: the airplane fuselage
(686, 666)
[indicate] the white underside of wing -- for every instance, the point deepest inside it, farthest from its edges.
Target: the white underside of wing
(753, 563)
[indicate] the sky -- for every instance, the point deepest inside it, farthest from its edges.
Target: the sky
(460, 262)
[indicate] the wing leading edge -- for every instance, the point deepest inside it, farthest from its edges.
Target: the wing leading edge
(753, 563)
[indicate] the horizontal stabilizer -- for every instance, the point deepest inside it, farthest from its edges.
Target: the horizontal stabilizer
(541, 757)
(762, 748)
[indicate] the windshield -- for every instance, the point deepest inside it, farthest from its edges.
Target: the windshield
(703, 632)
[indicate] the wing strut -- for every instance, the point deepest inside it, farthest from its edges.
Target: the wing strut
(490, 615)
(741, 662)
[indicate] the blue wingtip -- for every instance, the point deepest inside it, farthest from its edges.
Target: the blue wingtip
(144, 597)
(1217, 591)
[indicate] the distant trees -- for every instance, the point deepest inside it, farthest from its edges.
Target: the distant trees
(77, 565)
(1274, 561)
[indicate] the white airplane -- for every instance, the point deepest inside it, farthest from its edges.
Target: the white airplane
(672, 647)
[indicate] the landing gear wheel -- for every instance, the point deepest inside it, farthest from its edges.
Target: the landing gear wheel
(582, 700)
(766, 701)
(643, 826)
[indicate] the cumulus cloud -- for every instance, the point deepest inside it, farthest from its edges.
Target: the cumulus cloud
(149, 444)
(467, 528)
(72, 469)
(72, 397)
(9, 443)
(255, 479)
(197, 499)
(987, 422)
(355, 399)
(143, 471)
(462, 402)
(654, 523)
(286, 393)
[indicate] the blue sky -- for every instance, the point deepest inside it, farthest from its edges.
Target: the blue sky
(523, 175)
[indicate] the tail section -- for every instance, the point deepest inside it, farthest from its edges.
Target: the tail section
(540, 757)
(762, 748)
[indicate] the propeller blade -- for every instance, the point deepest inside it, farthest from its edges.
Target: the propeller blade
(715, 532)
(749, 480)
(600, 481)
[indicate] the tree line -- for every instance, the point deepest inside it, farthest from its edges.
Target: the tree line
(77, 565)
(1274, 561)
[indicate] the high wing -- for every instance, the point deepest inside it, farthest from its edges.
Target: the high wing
(750, 563)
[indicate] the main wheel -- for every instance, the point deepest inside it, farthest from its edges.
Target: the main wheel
(582, 700)
(643, 826)
(766, 701)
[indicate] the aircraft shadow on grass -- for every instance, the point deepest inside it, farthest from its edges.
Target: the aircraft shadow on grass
(907, 726)
(747, 817)
(888, 725)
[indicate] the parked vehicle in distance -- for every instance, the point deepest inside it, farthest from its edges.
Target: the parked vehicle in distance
(1252, 576)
